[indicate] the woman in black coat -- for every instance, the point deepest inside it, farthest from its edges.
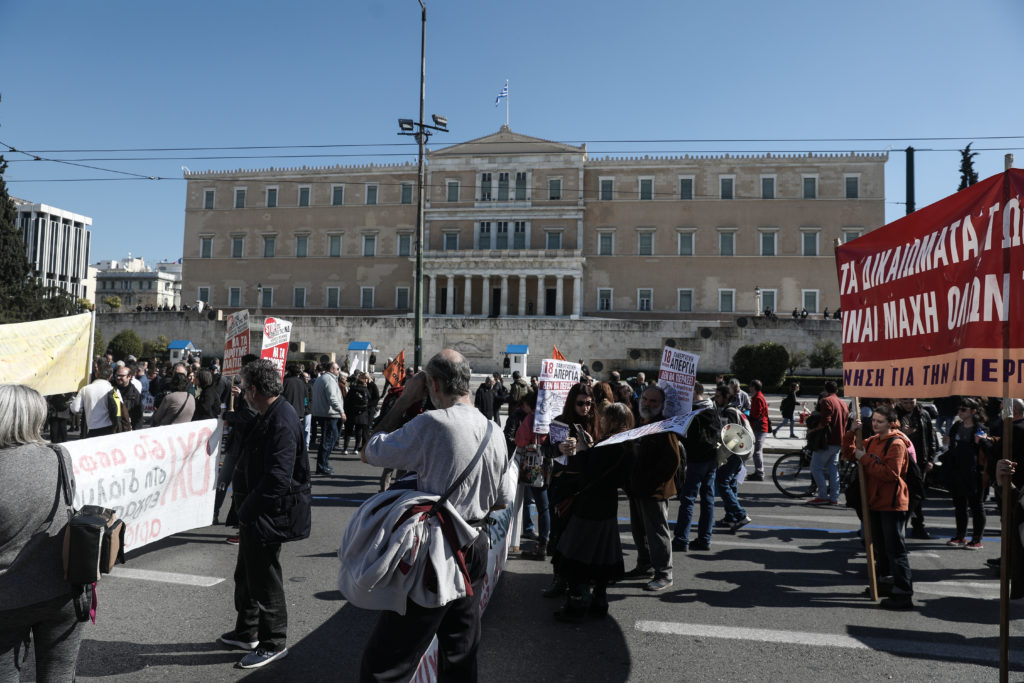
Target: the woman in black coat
(964, 465)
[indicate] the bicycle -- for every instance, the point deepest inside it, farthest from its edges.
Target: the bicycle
(792, 474)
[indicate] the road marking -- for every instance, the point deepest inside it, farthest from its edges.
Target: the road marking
(887, 644)
(165, 577)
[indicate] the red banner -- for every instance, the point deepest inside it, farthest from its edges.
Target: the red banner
(395, 370)
(927, 300)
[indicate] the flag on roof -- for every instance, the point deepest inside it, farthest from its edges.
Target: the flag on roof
(503, 93)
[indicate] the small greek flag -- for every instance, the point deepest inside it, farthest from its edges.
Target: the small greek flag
(503, 93)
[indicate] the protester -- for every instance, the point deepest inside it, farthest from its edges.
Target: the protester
(651, 485)
(761, 425)
(483, 399)
(357, 413)
(916, 423)
(294, 391)
(524, 436)
(92, 400)
(726, 478)
(273, 459)
(438, 445)
(964, 464)
(589, 553)
(833, 412)
(36, 603)
(124, 403)
(328, 408)
(885, 461)
(178, 405)
(788, 408)
(208, 400)
(701, 443)
(740, 398)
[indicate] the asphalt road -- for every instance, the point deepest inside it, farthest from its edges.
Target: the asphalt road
(781, 600)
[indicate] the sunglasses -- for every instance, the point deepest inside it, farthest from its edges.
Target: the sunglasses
(584, 403)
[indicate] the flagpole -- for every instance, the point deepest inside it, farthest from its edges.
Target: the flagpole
(506, 103)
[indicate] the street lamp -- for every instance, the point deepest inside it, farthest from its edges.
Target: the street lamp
(757, 301)
(409, 127)
(259, 297)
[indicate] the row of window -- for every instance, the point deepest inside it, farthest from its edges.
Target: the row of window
(685, 303)
(727, 187)
(768, 242)
(270, 196)
(127, 284)
(301, 246)
(332, 297)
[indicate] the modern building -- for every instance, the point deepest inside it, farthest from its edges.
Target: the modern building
(138, 285)
(57, 244)
(521, 226)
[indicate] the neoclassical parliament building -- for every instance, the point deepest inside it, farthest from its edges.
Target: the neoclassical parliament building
(521, 226)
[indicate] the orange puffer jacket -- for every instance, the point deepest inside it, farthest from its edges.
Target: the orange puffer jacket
(885, 463)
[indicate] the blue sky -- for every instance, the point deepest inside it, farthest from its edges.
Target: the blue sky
(117, 75)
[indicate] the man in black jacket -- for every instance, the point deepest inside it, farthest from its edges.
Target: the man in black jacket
(129, 396)
(295, 393)
(916, 423)
(273, 461)
(701, 442)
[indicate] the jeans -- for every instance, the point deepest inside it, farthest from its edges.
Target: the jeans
(891, 549)
(306, 421)
(328, 438)
(540, 499)
(527, 515)
(759, 451)
(726, 488)
(821, 461)
(398, 641)
(700, 478)
(57, 636)
(960, 504)
(787, 421)
(259, 592)
(648, 522)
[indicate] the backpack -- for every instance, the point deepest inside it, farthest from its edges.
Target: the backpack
(518, 391)
(912, 478)
(818, 434)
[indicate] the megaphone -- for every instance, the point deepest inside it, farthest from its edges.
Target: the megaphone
(736, 441)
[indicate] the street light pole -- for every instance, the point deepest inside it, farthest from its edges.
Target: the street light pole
(409, 127)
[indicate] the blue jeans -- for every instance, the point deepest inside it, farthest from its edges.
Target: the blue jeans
(700, 478)
(540, 499)
(787, 421)
(328, 438)
(725, 486)
(759, 451)
(527, 515)
(821, 461)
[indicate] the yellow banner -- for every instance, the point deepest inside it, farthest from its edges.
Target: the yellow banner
(51, 356)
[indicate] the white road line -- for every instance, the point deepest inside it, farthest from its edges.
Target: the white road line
(165, 577)
(888, 644)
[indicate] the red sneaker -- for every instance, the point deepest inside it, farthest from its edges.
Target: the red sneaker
(818, 501)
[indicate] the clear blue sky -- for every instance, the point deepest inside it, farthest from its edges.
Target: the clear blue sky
(117, 74)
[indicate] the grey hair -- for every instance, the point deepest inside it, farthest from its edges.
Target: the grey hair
(263, 376)
(654, 387)
(22, 414)
(452, 371)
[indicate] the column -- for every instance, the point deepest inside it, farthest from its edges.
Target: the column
(467, 296)
(485, 307)
(540, 294)
(432, 304)
(558, 295)
(522, 294)
(577, 296)
(504, 295)
(449, 308)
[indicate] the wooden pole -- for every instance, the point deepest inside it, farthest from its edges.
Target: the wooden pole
(1004, 550)
(869, 548)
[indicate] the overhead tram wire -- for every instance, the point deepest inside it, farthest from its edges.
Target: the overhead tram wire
(35, 157)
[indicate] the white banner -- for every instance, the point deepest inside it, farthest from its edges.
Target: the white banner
(160, 481)
(677, 374)
(678, 424)
(554, 382)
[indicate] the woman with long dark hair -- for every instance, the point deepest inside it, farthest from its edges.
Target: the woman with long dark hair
(578, 412)
(964, 464)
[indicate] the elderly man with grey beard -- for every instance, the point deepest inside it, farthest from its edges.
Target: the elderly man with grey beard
(651, 484)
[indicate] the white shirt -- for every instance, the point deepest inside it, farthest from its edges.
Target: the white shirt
(92, 399)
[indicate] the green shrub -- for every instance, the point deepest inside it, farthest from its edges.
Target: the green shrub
(766, 361)
(126, 343)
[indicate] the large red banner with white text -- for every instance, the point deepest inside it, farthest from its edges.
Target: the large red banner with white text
(933, 304)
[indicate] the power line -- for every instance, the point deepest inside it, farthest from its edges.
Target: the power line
(36, 157)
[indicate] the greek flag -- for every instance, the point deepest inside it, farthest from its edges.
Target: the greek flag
(503, 93)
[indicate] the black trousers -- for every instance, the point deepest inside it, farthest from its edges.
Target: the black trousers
(259, 592)
(891, 549)
(960, 505)
(398, 641)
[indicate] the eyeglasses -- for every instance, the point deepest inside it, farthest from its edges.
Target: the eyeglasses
(584, 403)
(122, 376)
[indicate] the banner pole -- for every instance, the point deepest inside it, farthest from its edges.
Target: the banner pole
(865, 511)
(1004, 549)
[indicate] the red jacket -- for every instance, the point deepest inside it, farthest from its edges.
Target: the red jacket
(759, 413)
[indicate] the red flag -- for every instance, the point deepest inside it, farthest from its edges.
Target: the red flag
(395, 370)
(556, 354)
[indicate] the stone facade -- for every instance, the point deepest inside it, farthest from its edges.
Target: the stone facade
(524, 227)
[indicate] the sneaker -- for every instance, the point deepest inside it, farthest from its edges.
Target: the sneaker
(725, 522)
(639, 573)
(679, 545)
(658, 584)
(756, 476)
(700, 545)
(920, 533)
(740, 523)
(530, 535)
(956, 542)
(261, 657)
(818, 501)
(233, 540)
(232, 639)
(974, 545)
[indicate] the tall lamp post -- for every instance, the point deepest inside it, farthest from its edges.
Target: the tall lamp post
(421, 131)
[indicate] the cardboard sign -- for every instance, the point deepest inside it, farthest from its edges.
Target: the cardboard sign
(236, 343)
(554, 382)
(677, 374)
(276, 335)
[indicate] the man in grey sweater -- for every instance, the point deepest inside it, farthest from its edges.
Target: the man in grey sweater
(328, 408)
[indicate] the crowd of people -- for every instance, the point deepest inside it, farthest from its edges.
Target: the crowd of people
(430, 423)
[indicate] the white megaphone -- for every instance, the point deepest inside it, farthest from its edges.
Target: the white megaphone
(736, 440)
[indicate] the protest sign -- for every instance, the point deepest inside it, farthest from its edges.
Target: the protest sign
(678, 424)
(554, 382)
(160, 481)
(276, 334)
(51, 356)
(677, 374)
(236, 343)
(926, 300)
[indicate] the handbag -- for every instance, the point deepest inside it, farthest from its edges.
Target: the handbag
(534, 468)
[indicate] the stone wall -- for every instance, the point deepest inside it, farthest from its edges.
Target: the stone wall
(614, 343)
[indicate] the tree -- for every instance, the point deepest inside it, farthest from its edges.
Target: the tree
(797, 359)
(113, 302)
(126, 343)
(826, 355)
(97, 342)
(85, 305)
(766, 361)
(156, 348)
(968, 176)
